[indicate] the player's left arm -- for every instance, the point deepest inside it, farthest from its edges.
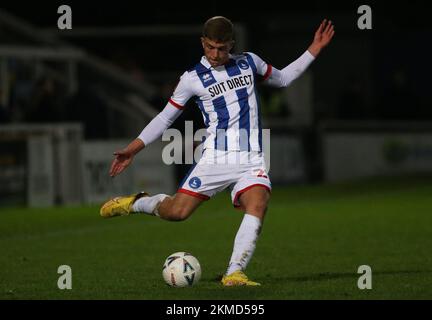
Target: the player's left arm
(284, 77)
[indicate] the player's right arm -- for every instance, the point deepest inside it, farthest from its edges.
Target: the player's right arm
(156, 127)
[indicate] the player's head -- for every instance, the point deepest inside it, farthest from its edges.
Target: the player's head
(217, 40)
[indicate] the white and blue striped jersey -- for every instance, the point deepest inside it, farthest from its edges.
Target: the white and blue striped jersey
(228, 100)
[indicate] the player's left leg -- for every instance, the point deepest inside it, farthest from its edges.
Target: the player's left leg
(254, 201)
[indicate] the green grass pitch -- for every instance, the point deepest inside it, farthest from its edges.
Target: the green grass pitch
(313, 241)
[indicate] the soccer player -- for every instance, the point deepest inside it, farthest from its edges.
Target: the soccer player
(223, 85)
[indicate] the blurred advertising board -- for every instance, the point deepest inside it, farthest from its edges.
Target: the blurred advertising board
(146, 173)
(348, 155)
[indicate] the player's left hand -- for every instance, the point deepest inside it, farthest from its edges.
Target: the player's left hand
(322, 37)
(324, 34)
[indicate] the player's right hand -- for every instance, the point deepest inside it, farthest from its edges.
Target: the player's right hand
(122, 160)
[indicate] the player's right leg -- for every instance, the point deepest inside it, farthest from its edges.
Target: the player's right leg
(176, 208)
(199, 185)
(179, 207)
(120, 206)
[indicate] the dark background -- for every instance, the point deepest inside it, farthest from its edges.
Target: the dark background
(381, 73)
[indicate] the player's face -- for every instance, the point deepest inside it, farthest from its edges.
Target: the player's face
(217, 53)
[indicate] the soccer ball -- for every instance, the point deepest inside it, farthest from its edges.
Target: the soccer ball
(181, 269)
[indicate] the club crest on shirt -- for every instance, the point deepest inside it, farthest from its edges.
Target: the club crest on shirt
(195, 183)
(243, 64)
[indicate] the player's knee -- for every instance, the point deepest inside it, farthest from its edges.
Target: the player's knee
(257, 208)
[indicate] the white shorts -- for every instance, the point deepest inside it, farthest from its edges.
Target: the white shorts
(218, 170)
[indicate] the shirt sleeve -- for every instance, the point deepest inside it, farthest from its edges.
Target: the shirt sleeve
(284, 77)
(159, 124)
(262, 68)
(182, 93)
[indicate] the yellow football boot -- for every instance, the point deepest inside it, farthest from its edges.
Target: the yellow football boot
(237, 278)
(120, 206)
